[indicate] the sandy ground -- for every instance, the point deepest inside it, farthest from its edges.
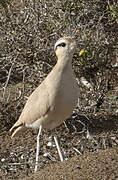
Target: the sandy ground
(17, 159)
(97, 165)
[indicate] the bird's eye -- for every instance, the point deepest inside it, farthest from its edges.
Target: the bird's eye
(62, 44)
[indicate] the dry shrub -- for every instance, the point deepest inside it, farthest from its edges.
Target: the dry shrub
(28, 31)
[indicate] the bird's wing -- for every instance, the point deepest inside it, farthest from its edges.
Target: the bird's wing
(36, 106)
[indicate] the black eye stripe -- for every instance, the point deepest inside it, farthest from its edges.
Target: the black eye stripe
(62, 44)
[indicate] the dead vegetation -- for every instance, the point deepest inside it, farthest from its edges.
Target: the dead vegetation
(28, 31)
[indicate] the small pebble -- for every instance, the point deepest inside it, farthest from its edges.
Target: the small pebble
(50, 144)
(3, 160)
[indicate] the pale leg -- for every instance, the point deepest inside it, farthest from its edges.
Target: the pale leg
(38, 148)
(58, 148)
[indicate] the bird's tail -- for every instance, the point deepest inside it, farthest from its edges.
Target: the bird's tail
(16, 129)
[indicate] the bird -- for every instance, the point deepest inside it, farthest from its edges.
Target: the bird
(54, 100)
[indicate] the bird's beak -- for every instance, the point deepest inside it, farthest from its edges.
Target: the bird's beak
(80, 43)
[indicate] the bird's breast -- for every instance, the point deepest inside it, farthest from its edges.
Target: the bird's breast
(63, 99)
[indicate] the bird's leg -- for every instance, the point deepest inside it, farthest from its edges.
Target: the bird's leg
(58, 148)
(38, 147)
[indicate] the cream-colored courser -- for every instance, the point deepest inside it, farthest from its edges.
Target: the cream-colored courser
(54, 100)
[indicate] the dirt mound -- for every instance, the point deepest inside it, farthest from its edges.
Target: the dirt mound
(97, 165)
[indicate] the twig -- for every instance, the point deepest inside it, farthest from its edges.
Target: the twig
(16, 99)
(8, 98)
(7, 81)
(24, 79)
(19, 164)
(77, 151)
(8, 77)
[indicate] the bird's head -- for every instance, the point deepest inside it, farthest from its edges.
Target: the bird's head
(65, 47)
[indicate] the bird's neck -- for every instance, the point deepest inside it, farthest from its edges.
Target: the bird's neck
(64, 62)
(62, 69)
